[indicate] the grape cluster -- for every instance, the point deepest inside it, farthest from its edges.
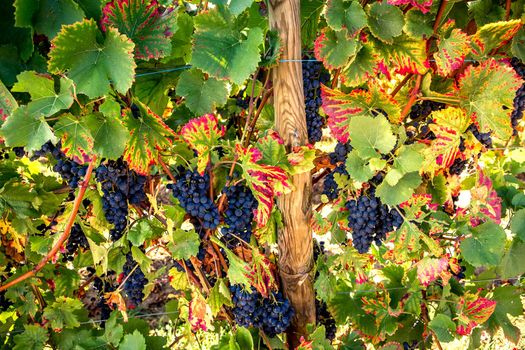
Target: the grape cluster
(420, 121)
(324, 318)
(19, 151)
(103, 286)
(370, 221)
(519, 99)
(458, 166)
(330, 188)
(483, 138)
(135, 282)
(68, 169)
(120, 186)
(318, 249)
(411, 346)
(340, 152)
(313, 77)
(239, 213)
(192, 190)
(77, 239)
(273, 314)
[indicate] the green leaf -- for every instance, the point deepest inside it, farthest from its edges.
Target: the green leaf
(21, 129)
(202, 95)
(486, 11)
(444, 328)
(181, 39)
(7, 103)
(90, 64)
(485, 247)
(513, 262)
(409, 158)
(358, 168)
(401, 191)
(335, 48)
(405, 54)
(223, 49)
(134, 341)
(244, 338)
(343, 14)
(508, 302)
(236, 7)
(219, 296)
(185, 244)
(310, 13)
(492, 36)
(518, 45)
(44, 99)
(76, 137)
(148, 24)
(33, 338)
(66, 281)
(385, 21)
(140, 232)
(359, 67)
(47, 16)
(371, 136)
(152, 87)
(61, 314)
(517, 224)
(418, 25)
(109, 134)
(484, 90)
(113, 331)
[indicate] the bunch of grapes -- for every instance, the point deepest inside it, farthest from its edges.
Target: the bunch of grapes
(340, 152)
(135, 282)
(330, 188)
(239, 213)
(120, 186)
(192, 191)
(519, 99)
(419, 120)
(370, 221)
(103, 286)
(313, 77)
(318, 249)
(77, 239)
(458, 166)
(273, 314)
(324, 318)
(68, 169)
(483, 138)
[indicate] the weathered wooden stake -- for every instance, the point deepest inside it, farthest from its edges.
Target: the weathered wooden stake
(295, 239)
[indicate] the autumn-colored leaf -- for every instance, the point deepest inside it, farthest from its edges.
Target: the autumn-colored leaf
(202, 135)
(261, 274)
(484, 200)
(472, 311)
(452, 52)
(422, 5)
(200, 315)
(430, 269)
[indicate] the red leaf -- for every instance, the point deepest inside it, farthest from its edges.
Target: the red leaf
(422, 5)
(200, 315)
(485, 200)
(430, 269)
(473, 312)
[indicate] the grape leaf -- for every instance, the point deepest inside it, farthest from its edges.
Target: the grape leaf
(418, 25)
(77, 141)
(341, 14)
(486, 11)
(90, 64)
(452, 52)
(181, 39)
(407, 55)
(430, 269)
(409, 158)
(484, 200)
(44, 99)
(421, 5)
(443, 327)
(219, 296)
(61, 314)
(109, 134)
(273, 151)
(202, 95)
(185, 244)
(473, 312)
(199, 313)
(46, 16)
(265, 181)
(224, 49)
(360, 67)
(334, 48)
(357, 167)
(518, 45)
(341, 108)
(492, 36)
(7, 103)
(148, 134)
(202, 135)
(401, 191)
(133, 341)
(236, 7)
(148, 24)
(385, 21)
(371, 136)
(152, 86)
(513, 262)
(450, 124)
(484, 90)
(485, 247)
(301, 160)
(34, 337)
(517, 224)
(21, 129)
(508, 299)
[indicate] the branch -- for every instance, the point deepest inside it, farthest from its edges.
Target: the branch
(413, 97)
(401, 84)
(439, 15)
(507, 10)
(166, 169)
(55, 249)
(251, 127)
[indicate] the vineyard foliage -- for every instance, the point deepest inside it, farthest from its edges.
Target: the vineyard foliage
(140, 169)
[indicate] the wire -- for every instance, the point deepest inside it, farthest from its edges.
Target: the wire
(167, 70)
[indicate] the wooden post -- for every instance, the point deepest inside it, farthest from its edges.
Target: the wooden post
(295, 239)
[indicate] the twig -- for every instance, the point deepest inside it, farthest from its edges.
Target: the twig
(413, 97)
(166, 169)
(250, 110)
(439, 15)
(335, 78)
(56, 248)
(507, 10)
(251, 127)
(401, 84)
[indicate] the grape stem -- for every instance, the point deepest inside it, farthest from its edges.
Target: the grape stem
(63, 237)
(401, 84)
(439, 15)
(166, 169)
(413, 97)
(507, 9)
